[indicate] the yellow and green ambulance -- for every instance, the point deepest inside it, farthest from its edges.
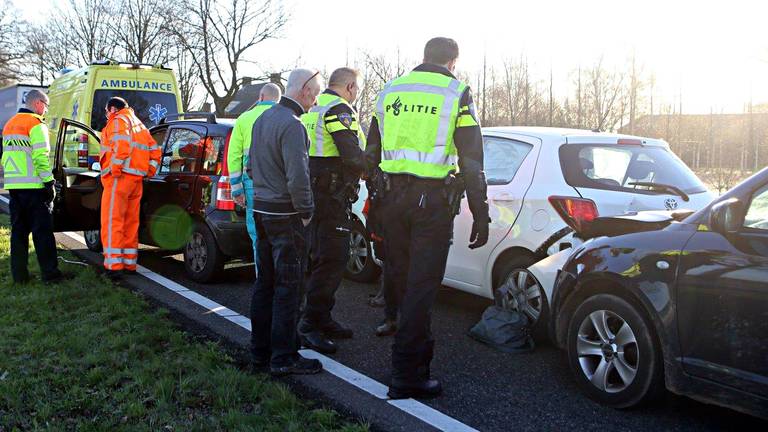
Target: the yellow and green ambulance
(82, 94)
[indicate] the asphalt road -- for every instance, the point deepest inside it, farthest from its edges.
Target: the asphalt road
(486, 389)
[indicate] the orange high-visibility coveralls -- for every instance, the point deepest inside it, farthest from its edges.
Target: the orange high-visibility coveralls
(128, 154)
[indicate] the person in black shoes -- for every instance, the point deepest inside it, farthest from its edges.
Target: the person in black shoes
(29, 181)
(427, 132)
(283, 206)
(336, 162)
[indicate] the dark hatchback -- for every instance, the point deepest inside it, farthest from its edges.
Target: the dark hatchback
(681, 305)
(187, 206)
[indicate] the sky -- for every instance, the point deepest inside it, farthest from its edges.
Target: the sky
(712, 54)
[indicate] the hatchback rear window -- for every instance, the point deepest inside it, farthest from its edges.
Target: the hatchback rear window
(615, 167)
(149, 106)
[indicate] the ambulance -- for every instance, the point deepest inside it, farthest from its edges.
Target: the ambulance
(82, 94)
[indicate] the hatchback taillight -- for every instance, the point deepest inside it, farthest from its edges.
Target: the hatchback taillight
(224, 199)
(576, 212)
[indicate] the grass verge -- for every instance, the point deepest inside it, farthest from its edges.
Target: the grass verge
(90, 356)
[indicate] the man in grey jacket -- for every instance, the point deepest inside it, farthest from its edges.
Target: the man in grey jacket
(283, 206)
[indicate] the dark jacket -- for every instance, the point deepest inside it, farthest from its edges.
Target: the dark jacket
(279, 162)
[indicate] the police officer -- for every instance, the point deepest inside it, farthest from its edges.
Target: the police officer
(237, 155)
(336, 162)
(424, 120)
(29, 180)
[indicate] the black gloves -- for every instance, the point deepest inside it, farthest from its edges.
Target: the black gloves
(479, 236)
(50, 192)
(478, 205)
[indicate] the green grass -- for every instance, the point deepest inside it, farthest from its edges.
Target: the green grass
(91, 356)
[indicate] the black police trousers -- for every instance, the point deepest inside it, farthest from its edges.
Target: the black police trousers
(30, 214)
(417, 236)
(329, 253)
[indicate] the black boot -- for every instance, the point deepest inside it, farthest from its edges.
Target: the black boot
(333, 329)
(422, 389)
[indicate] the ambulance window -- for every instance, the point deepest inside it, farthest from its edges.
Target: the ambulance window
(182, 152)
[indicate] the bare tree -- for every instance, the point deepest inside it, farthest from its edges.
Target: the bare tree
(47, 53)
(11, 51)
(219, 34)
(142, 29)
(188, 77)
(604, 94)
(83, 26)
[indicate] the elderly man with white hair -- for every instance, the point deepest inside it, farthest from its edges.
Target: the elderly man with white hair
(237, 155)
(283, 206)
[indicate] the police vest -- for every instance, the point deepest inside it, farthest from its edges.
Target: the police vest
(319, 127)
(417, 116)
(25, 152)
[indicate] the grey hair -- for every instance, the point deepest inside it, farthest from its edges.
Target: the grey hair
(270, 92)
(34, 96)
(298, 78)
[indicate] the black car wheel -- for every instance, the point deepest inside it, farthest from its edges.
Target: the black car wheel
(613, 353)
(203, 260)
(93, 240)
(361, 267)
(518, 290)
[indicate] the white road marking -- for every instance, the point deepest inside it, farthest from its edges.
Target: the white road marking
(413, 407)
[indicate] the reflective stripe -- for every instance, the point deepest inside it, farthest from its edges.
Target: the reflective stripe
(38, 146)
(129, 261)
(105, 149)
(118, 137)
(105, 171)
(116, 161)
(438, 157)
(154, 164)
(141, 146)
(130, 251)
(18, 148)
(17, 180)
(117, 260)
(236, 187)
(9, 137)
(46, 174)
(113, 251)
(134, 171)
(111, 208)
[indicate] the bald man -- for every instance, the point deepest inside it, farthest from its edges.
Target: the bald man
(283, 206)
(237, 155)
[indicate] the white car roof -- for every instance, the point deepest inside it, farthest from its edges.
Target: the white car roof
(572, 136)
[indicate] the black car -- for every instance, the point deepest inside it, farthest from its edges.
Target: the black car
(675, 304)
(187, 206)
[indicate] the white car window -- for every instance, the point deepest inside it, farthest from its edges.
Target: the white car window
(757, 215)
(502, 158)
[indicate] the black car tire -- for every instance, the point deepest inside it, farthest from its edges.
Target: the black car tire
(93, 240)
(203, 260)
(644, 354)
(360, 268)
(515, 266)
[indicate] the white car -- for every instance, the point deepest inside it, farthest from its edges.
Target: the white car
(537, 177)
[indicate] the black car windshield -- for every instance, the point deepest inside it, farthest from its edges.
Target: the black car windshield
(616, 167)
(149, 106)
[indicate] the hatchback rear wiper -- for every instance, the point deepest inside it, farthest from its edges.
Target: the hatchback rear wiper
(664, 187)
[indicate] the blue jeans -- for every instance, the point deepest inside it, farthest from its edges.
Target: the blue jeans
(250, 222)
(281, 263)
